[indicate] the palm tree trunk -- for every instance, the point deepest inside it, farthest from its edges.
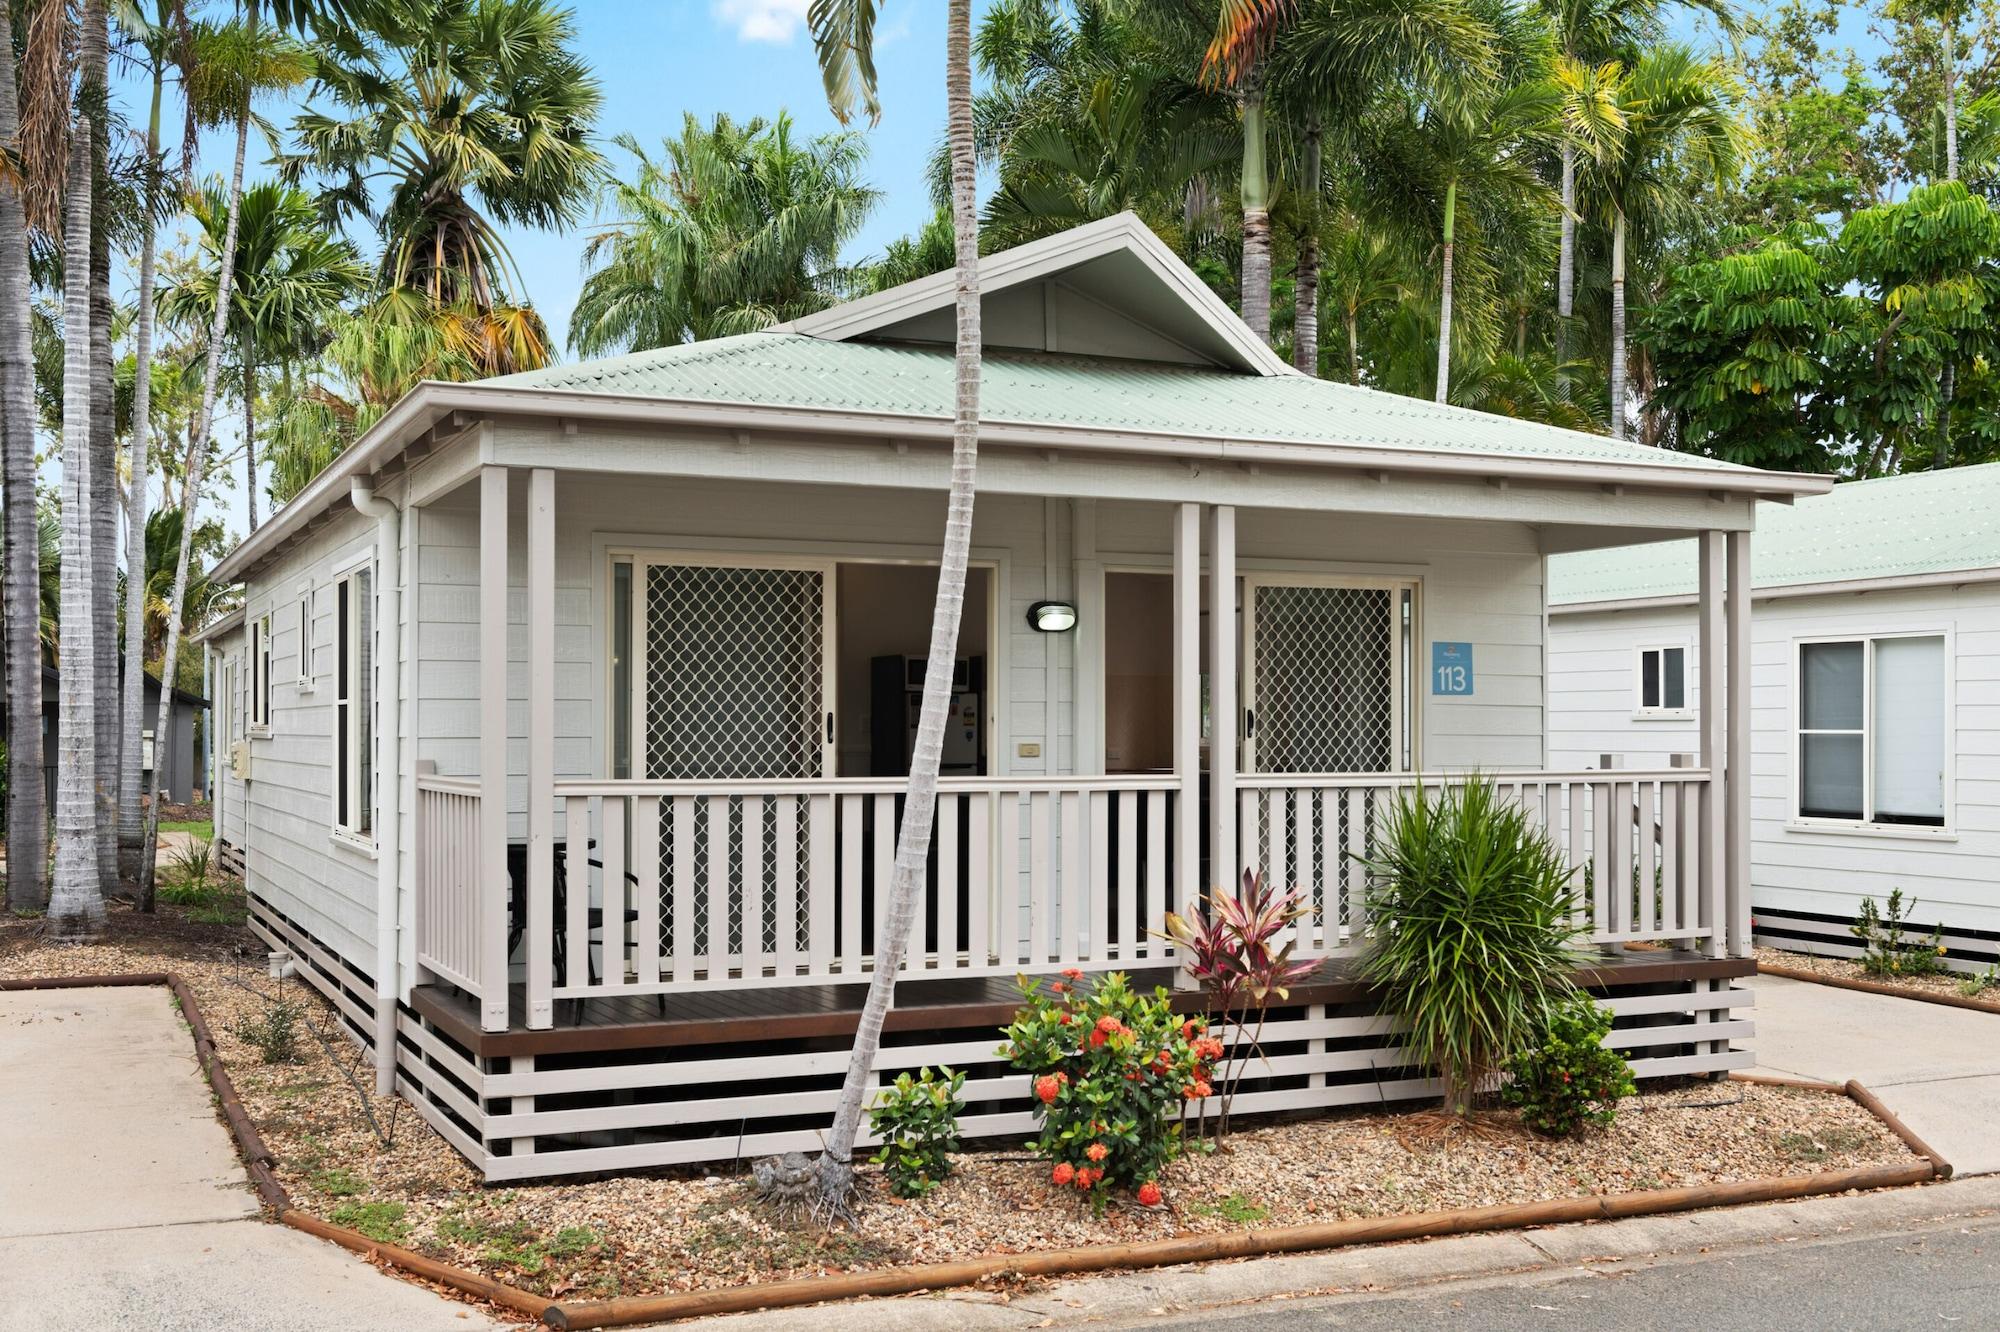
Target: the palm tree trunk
(191, 497)
(27, 800)
(1566, 270)
(1950, 97)
(1618, 325)
(1305, 300)
(913, 840)
(92, 93)
(76, 906)
(1353, 348)
(131, 823)
(1444, 305)
(1256, 277)
(250, 431)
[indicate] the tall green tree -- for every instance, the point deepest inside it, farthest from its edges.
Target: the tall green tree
(27, 812)
(732, 227)
(843, 35)
(1676, 109)
(448, 120)
(291, 278)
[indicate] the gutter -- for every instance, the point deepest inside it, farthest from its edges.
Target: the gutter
(430, 401)
(388, 773)
(1832, 587)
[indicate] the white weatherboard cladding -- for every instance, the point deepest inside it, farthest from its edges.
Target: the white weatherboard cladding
(1955, 875)
(291, 857)
(1478, 583)
(596, 513)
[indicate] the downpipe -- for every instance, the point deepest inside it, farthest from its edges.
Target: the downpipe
(388, 772)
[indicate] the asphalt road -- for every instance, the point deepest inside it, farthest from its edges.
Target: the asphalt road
(1941, 1276)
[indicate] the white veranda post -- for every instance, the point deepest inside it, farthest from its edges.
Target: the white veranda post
(1714, 862)
(493, 895)
(1187, 704)
(1226, 860)
(1735, 776)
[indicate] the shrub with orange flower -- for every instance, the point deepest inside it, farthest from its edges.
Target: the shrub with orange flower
(1114, 1071)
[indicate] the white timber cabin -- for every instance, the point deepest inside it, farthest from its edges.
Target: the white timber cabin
(564, 731)
(1874, 700)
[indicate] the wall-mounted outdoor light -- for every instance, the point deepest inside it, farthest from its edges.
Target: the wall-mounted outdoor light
(1051, 617)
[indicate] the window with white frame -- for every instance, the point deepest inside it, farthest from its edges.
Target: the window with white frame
(260, 673)
(1872, 742)
(353, 703)
(1663, 688)
(305, 639)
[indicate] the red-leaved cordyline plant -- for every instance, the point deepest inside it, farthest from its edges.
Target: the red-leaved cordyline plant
(1231, 951)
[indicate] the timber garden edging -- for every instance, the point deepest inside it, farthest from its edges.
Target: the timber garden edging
(1877, 987)
(1055, 1262)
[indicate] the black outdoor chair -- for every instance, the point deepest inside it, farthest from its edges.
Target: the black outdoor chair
(517, 909)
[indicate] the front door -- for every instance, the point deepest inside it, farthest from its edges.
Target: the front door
(736, 682)
(1325, 674)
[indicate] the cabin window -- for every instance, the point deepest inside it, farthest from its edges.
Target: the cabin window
(1663, 690)
(305, 640)
(1872, 742)
(353, 703)
(260, 675)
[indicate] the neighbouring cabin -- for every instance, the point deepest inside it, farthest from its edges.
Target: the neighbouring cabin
(569, 712)
(1874, 692)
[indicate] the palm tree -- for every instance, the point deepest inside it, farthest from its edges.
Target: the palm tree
(473, 114)
(1339, 64)
(76, 902)
(1245, 31)
(1364, 270)
(234, 64)
(843, 34)
(1675, 108)
(735, 226)
(1479, 144)
(291, 278)
(27, 813)
(1126, 139)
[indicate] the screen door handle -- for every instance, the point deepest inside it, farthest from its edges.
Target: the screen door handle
(1249, 722)
(829, 728)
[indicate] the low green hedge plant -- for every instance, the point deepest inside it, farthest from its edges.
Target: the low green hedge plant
(1569, 1080)
(917, 1121)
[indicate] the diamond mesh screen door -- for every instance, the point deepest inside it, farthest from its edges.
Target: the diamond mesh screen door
(1323, 687)
(736, 684)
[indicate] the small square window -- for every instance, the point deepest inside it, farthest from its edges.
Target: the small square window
(1663, 682)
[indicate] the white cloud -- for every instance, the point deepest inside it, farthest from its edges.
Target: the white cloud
(775, 21)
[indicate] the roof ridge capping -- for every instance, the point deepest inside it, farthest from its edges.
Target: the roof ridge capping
(1032, 261)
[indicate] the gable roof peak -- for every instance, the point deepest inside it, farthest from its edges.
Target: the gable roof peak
(1114, 274)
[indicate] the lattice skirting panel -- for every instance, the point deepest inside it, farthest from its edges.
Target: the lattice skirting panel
(435, 1074)
(1829, 935)
(585, 1112)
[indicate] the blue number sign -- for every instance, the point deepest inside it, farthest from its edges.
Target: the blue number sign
(1451, 668)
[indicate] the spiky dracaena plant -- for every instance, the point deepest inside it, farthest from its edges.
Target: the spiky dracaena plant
(1474, 930)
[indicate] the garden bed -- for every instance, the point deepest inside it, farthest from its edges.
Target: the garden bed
(675, 1231)
(1948, 986)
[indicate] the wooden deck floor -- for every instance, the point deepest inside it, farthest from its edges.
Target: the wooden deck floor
(725, 1015)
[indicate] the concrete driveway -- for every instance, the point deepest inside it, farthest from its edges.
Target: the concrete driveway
(1937, 1067)
(123, 1203)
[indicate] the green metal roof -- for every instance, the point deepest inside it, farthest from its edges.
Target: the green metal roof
(1894, 527)
(781, 369)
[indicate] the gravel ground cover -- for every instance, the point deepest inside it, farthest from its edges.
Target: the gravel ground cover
(1950, 982)
(682, 1230)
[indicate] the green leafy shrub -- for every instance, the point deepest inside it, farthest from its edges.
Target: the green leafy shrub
(274, 1034)
(917, 1121)
(1980, 982)
(1569, 1079)
(190, 870)
(1113, 1071)
(1474, 930)
(1885, 952)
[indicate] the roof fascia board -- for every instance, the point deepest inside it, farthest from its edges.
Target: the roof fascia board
(1038, 260)
(430, 401)
(1788, 591)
